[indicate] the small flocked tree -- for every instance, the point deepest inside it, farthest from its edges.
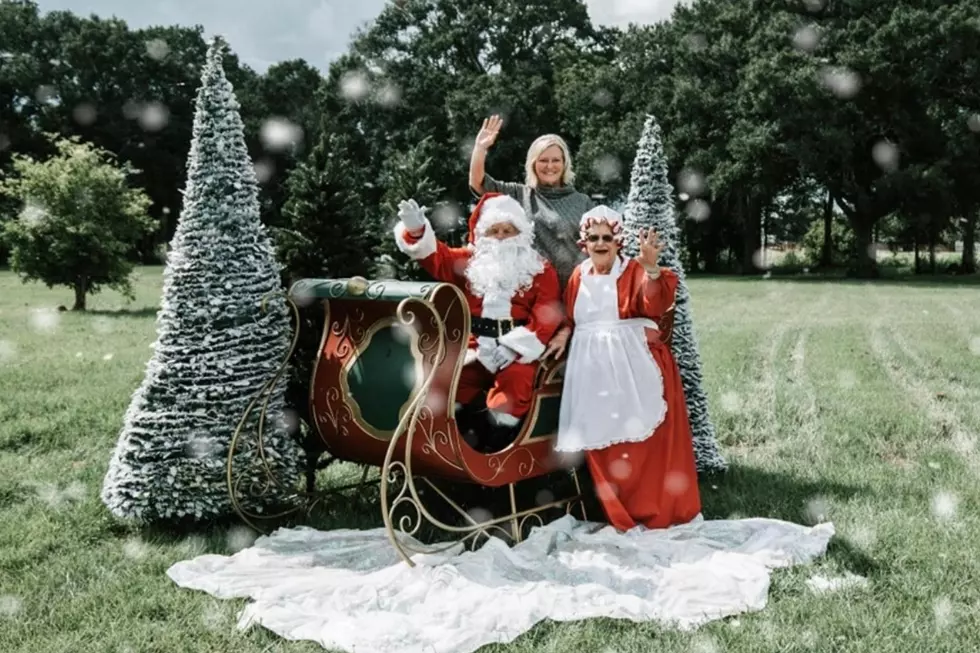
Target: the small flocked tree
(215, 345)
(651, 205)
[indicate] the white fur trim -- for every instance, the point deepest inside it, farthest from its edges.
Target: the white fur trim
(496, 307)
(619, 266)
(524, 342)
(502, 419)
(423, 248)
(503, 208)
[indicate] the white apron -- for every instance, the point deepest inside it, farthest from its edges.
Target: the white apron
(613, 390)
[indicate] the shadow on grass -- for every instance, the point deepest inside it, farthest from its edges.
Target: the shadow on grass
(148, 311)
(752, 492)
(886, 280)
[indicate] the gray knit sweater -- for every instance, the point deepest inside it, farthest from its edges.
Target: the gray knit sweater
(556, 213)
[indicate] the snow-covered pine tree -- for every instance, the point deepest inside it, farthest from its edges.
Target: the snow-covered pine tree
(215, 347)
(651, 205)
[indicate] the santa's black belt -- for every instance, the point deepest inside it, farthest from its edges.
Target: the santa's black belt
(482, 326)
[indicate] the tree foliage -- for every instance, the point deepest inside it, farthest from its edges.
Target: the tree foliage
(79, 221)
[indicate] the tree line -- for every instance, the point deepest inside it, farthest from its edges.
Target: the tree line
(841, 123)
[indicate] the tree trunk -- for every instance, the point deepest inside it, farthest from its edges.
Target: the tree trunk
(692, 255)
(865, 266)
(81, 292)
(915, 248)
(752, 224)
(709, 251)
(933, 237)
(827, 254)
(969, 265)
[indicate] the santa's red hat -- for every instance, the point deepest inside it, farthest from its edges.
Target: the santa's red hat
(494, 208)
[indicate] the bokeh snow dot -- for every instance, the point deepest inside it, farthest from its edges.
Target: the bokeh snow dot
(102, 325)
(942, 610)
(817, 510)
(544, 497)
(885, 154)
(975, 345)
(480, 515)
(10, 605)
(157, 49)
(698, 210)
(806, 38)
(691, 182)
(620, 469)
(213, 616)
(135, 549)
(704, 643)
(240, 537)
(264, 169)
(44, 319)
(354, 85)
(944, 505)
(731, 402)
(608, 168)
(84, 114)
(279, 134)
(445, 215)
(389, 95)
(842, 82)
(154, 117)
(676, 483)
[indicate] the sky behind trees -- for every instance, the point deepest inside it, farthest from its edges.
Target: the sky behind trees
(263, 32)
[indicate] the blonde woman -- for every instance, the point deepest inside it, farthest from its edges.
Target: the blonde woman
(547, 194)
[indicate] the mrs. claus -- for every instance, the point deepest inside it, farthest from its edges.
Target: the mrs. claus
(622, 402)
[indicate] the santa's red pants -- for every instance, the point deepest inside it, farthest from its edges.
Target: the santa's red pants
(510, 388)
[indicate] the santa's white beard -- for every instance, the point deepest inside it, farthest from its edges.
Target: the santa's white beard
(502, 267)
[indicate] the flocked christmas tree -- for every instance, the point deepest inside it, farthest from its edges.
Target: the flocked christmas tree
(651, 205)
(216, 346)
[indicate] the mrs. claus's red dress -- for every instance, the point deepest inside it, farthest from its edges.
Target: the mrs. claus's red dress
(623, 404)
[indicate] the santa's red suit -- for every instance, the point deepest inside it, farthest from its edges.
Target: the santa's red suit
(513, 296)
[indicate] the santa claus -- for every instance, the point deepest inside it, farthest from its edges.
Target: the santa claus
(512, 292)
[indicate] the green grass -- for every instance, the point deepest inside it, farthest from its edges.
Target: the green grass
(858, 402)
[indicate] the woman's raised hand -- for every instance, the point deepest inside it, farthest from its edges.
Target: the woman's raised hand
(487, 135)
(650, 248)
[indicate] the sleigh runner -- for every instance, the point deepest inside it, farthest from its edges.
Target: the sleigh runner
(382, 394)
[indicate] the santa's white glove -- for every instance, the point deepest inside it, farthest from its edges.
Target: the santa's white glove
(412, 215)
(503, 356)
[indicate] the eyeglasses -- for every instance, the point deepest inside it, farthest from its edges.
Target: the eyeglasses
(594, 238)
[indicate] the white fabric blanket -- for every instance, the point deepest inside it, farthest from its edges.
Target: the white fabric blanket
(348, 590)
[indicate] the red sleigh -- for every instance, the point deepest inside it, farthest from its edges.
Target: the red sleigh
(383, 394)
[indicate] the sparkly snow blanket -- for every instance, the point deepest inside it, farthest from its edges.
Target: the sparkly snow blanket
(348, 591)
